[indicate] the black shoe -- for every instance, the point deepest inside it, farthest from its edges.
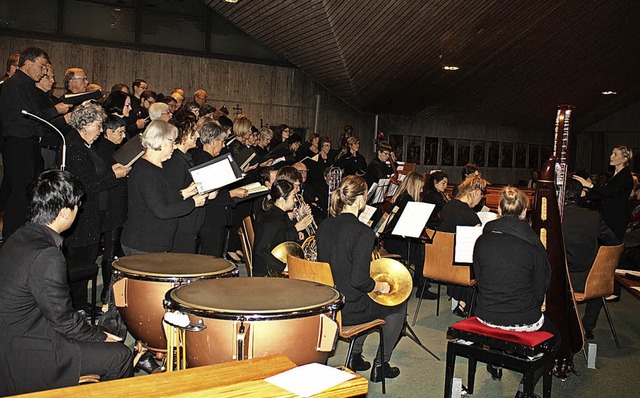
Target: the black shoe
(357, 363)
(461, 312)
(588, 334)
(495, 372)
(427, 295)
(147, 363)
(390, 372)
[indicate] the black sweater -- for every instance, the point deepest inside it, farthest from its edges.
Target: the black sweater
(273, 228)
(513, 272)
(153, 210)
(346, 244)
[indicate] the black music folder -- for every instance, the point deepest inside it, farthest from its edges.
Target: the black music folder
(216, 173)
(131, 151)
(76, 99)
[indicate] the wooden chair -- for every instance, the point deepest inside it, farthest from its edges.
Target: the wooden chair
(90, 378)
(247, 224)
(600, 280)
(438, 267)
(321, 273)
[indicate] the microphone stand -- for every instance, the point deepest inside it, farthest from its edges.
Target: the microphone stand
(64, 141)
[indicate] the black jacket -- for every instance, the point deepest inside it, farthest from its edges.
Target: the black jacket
(352, 164)
(97, 178)
(177, 171)
(40, 329)
(20, 92)
(614, 196)
(153, 209)
(376, 170)
(584, 230)
(116, 209)
(273, 228)
(457, 213)
(346, 244)
(512, 270)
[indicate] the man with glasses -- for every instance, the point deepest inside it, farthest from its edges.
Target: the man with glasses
(22, 160)
(378, 168)
(75, 81)
(139, 86)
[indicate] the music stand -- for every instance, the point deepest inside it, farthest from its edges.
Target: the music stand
(411, 223)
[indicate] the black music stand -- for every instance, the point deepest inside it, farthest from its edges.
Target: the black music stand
(421, 222)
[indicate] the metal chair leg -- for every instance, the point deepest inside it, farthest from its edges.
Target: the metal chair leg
(613, 329)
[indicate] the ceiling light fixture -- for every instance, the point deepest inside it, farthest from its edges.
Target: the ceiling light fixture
(609, 92)
(230, 1)
(450, 67)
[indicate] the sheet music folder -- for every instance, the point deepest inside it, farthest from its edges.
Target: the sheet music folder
(216, 173)
(413, 219)
(131, 151)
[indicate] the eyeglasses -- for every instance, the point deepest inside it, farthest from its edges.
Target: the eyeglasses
(41, 65)
(167, 113)
(86, 79)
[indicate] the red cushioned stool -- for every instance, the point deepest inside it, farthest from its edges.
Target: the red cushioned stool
(511, 350)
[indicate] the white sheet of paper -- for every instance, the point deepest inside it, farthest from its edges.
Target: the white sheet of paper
(486, 216)
(381, 190)
(627, 271)
(214, 176)
(366, 214)
(465, 242)
(413, 219)
(308, 380)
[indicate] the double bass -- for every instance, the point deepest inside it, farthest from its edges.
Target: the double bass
(546, 221)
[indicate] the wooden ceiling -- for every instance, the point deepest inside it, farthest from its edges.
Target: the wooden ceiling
(518, 59)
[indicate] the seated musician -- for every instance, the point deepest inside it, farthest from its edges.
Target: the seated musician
(346, 244)
(513, 273)
(45, 344)
(275, 227)
(378, 168)
(409, 191)
(459, 211)
(584, 230)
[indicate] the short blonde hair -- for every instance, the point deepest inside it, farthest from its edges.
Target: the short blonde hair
(156, 132)
(626, 153)
(241, 125)
(512, 201)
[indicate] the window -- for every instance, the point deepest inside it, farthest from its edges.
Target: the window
(396, 141)
(447, 152)
(430, 151)
(534, 155)
(413, 149)
(165, 30)
(463, 150)
(493, 158)
(506, 158)
(478, 153)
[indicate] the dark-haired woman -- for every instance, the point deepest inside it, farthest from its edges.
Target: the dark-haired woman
(114, 214)
(512, 270)
(275, 227)
(346, 244)
(434, 194)
(177, 172)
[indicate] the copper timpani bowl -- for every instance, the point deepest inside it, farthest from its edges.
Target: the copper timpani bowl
(141, 282)
(246, 318)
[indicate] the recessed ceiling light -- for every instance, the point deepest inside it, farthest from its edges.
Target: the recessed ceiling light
(609, 93)
(450, 67)
(230, 1)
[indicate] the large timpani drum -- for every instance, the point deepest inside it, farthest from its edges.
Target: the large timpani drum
(247, 318)
(142, 280)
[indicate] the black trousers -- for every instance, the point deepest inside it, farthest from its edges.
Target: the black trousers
(394, 317)
(110, 361)
(22, 163)
(81, 255)
(112, 249)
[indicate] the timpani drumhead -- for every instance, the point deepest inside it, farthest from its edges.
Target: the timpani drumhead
(176, 265)
(253, 296)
